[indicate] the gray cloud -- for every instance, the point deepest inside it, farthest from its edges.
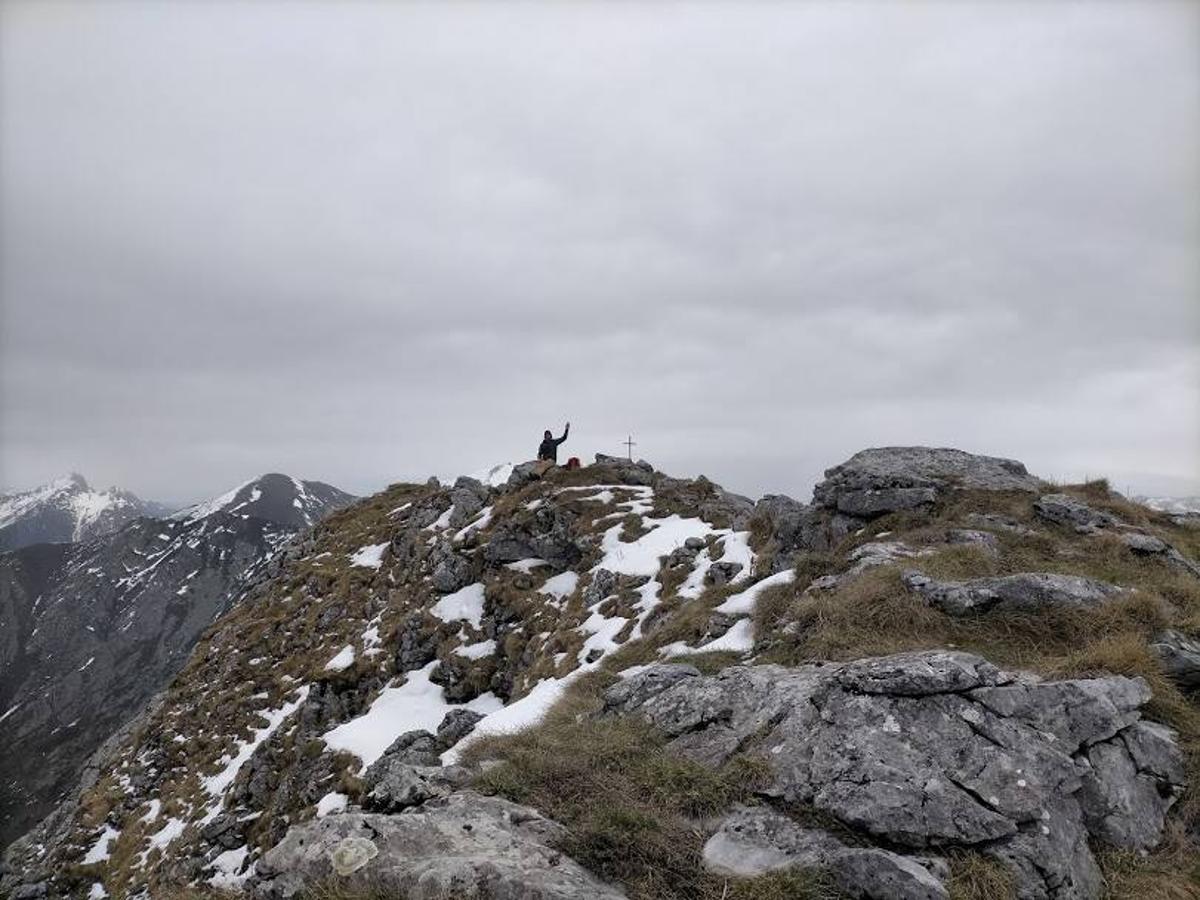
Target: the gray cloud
(366, 242)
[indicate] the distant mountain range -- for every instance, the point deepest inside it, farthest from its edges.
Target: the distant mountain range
(1173, 505)
(100, 614)
(67, 509)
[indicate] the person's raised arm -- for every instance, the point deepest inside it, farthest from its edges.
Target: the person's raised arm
(566, 431)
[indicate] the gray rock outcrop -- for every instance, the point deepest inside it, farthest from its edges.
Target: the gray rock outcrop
(545, 534)
(465, 846)
(984, 541)
(887, 479)
(1149, 545)
(753, 841)
(1179, 656)
(1012, 593)
(936, 750)
(1063, 509)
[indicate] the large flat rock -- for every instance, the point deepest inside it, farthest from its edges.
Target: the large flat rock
(467, 846)
(937, 750)
(887, 479)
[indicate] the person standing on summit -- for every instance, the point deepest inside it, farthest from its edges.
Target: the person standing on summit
(549, 446)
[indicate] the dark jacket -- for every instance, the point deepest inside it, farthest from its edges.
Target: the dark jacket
(549, 446)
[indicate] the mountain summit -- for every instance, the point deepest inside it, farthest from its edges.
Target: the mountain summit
(276, 498)
(942, 677)
(67, 509)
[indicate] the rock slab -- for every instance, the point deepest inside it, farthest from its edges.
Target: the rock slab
(1023, 592)
(937, 750)
(467, 846)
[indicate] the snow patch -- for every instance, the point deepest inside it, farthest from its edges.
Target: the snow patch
(561, 585)
(517, 715)
(466, 603)
(99, 851)
(641, 557)
(743, 604)
(216, 785)
(739, 639)
(331, 803)
(369, 557)
(476, 651)
(228, 866)
(344, 659)
(416, 704)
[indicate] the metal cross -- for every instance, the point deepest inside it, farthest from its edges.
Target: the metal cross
(629, 445)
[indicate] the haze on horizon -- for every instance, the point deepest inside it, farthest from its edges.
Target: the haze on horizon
(362, 243)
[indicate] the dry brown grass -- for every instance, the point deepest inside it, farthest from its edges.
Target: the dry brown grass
(1170, 873)
(974, 876)
(875, 615)
(633, 810)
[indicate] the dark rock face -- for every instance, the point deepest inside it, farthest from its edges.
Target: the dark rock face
(410, 771)
(545, 535)
(887, 479)
(456, 725)
(464, 845)
(1022, 592)
(393, 786)
(937, 749)
(451, 570)
(1180, 657)
(90, 631)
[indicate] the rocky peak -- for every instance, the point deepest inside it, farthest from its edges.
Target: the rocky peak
(66, 509)
(277, 498)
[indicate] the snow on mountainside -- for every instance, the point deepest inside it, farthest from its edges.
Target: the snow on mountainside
(277, 498)
(66, 509)
(90, 630)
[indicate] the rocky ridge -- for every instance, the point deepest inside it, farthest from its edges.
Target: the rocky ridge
(323, 728)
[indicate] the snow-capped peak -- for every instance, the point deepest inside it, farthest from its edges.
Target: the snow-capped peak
(65, 509)
(274, 497)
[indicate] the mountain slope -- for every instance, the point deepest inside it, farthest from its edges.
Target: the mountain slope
(89, 631)
(66, 510)
(400, 643)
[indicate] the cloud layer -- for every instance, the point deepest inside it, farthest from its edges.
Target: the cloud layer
(366, 242)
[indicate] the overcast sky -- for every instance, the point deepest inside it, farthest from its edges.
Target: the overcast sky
(369, 242)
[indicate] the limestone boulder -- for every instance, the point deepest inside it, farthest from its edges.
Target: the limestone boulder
(936, 750)
(753, 841)
(888, 479)
(1022, 592)
(1063, 509)
(465, 846)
